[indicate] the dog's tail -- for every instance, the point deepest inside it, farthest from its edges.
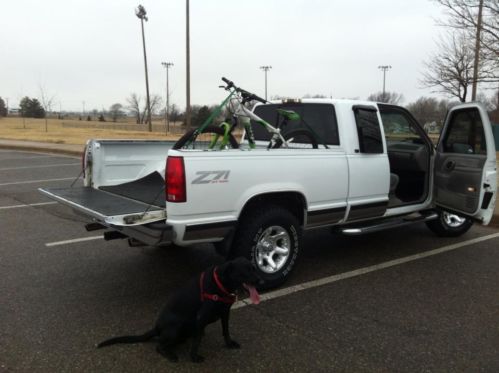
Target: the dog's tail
(130, 338)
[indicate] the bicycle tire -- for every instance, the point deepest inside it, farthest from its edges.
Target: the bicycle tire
(300, 139)
(203, 140)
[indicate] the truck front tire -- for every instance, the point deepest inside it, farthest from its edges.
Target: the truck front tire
(449, 225)
(269, 237)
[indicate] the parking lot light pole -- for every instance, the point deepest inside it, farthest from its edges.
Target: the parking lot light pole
(187, 67)
(384, 68)
(141, 13)
(167, 66)
(265, 69)
(477, 51)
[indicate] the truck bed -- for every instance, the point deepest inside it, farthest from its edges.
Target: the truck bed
(100, 202)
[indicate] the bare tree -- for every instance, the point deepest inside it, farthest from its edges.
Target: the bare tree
(116, 111)
(134, 106)
(3, 108)
(494, 102)
(463, 16)
(450, 70)
(429, 110)
(317, 95)
(156, 103)
(140, 111)
(174, 113)
(47, 101)
(387, 97)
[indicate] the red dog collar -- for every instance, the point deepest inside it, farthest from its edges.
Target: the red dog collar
(227, 297)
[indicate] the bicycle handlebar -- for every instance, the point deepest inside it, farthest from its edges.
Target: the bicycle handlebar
(229, 83)
(247, 96)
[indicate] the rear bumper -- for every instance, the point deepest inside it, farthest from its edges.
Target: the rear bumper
(153, 234)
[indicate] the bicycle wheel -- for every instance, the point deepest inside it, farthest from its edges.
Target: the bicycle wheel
(298, 139)
(210, 138)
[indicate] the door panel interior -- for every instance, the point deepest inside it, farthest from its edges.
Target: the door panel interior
(465, 162)
(457, 181)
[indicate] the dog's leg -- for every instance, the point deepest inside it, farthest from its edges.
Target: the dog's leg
(167, 351)
(229, 342)
(166, 345)
(205, 314)
(196, 341)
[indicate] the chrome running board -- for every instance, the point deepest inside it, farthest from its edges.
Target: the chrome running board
(381, 225)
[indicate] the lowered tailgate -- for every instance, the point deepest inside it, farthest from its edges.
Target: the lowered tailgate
(135, 203)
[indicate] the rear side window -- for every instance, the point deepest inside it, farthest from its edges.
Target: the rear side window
(368, 130)
(465, 133)
(321, 118)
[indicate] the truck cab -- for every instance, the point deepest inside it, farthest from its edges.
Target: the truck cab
(403, 169)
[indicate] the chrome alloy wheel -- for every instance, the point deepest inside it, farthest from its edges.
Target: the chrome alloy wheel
(453, 220)
(273, 249)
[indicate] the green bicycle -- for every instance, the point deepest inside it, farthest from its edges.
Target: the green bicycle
(213, 137)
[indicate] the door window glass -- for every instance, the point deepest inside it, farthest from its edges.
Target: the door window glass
(398, 127)
(465, 133)
(368, 130)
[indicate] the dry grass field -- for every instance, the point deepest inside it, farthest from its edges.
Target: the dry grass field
(65, 132)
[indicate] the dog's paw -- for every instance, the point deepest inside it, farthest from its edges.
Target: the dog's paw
(197, 358)
(170, 355)
(232, 344)
(173, 358)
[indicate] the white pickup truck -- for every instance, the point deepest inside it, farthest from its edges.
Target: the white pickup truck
(375, 169)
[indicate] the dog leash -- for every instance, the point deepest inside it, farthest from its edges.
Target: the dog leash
(228, 298)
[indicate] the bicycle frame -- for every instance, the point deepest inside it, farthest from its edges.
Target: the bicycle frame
(212, 116)
(235, 100)
(243, 112)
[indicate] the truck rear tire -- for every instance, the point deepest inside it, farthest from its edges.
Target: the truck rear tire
(270, 238)
(449, 225)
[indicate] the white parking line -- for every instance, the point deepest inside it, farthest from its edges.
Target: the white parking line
(27, 205)
(37, 181)
(44, 166)
(76, 240)
(361, 271)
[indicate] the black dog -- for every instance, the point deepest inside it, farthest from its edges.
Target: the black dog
(202, 301)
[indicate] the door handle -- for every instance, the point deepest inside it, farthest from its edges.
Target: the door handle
(449, 166)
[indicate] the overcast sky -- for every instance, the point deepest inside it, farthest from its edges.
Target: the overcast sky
(91, 50)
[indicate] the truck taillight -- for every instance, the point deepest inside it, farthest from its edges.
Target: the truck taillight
(175, 180)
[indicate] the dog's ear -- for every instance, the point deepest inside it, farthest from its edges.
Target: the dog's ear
(226, 269)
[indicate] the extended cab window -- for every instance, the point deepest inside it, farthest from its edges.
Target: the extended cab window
(368, 129)
(321, 118)
(465, 133)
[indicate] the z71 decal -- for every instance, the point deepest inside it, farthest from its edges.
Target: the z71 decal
(212, 177)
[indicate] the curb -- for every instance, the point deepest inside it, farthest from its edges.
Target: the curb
(43, 149)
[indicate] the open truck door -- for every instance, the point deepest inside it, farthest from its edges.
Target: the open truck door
(465, 164)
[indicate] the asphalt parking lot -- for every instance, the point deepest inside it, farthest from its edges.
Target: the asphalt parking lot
(401, 301)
